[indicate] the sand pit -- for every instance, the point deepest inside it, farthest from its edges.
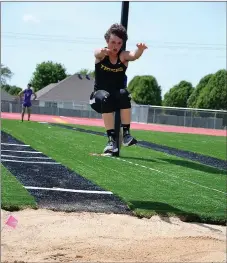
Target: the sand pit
(47, 236)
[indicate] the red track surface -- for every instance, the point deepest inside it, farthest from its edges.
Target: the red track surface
(99, 122)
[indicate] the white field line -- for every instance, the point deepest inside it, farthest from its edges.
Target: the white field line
(17, 161)
(20, 151)
(170, 175)
(69, 190)
(14, 156)
(14, 144)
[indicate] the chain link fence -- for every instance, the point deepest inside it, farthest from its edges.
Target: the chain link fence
(188, 117)
(198, 118)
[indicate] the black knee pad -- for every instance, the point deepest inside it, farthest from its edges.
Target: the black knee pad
(101, 102)
(125, 99)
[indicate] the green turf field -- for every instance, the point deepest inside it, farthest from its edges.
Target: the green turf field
(14, 195)
(214, 146)
(148, 181)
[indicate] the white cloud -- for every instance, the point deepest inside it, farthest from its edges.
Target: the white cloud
(30, 18)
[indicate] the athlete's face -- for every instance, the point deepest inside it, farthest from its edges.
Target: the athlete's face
(114, 44)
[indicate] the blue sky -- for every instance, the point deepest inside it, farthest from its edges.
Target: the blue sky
(186, 40)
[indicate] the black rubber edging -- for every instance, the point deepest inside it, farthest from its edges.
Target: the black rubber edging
(200, 158)
(57, 176)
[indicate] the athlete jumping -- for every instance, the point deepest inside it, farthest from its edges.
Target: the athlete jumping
(110, 93)
(27, 93)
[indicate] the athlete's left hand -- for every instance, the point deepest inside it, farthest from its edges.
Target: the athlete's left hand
(141, 46)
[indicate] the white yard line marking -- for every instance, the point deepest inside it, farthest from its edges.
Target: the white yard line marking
(20, 151)
(14, 144)
(188, 181)
(3, 155)
(16, 161)
(69, 190)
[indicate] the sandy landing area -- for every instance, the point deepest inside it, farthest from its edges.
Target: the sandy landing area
(47, 236)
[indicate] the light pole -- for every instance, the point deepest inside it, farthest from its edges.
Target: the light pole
(117, 123)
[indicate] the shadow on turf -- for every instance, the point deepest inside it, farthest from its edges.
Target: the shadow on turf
(183, 163)
(195, 166)
(165, 211)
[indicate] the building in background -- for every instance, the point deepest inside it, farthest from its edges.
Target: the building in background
(68, 93)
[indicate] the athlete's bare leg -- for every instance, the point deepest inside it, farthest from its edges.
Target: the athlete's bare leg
(108, 119)
(125, 116)
(22, 113)
(29, 113)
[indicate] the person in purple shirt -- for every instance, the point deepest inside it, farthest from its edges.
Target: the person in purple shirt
(27, 94)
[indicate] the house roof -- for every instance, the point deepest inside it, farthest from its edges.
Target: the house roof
(45, 90)
(6, 96)
(74, 88)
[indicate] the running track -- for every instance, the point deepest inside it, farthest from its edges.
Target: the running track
(99, 122)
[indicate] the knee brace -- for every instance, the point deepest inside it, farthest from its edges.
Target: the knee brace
(100, 101)
(125, 99)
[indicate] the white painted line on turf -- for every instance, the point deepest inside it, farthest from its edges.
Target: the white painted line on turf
(14, 144)
(185, 180)
(20, 151)
(16, 161)
(69, 190)
(14, 156)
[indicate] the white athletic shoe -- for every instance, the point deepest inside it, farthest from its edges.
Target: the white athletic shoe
(128, 140)
(110, 146)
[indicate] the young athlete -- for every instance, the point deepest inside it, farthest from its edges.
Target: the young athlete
(27, 93)
(109, 93)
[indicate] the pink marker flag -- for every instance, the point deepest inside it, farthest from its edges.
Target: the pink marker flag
(12, 221)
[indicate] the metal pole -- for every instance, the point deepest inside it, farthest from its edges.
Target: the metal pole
(185, 117)
(117, 123)
(215, 117)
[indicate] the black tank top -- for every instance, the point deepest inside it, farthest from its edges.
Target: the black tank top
(108, 76)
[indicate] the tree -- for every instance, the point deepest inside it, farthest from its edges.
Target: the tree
(133, 84)
(214, 95)
(85, 71)
(47, 73)
(145, 90)
(178, 95)
(6, 87)
(192, 101)
(6, 74)
(13, 90)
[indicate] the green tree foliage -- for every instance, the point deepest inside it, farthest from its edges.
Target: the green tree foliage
(178, 95)
(85, 71)
(214, 95)
(192, 101)
(145, 90)
(6, 74)
(13, 90)
(47, 73)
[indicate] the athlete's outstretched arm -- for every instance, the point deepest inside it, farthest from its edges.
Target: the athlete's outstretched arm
(101, 53)
(133, 55)
(20, 93)
(34, 95)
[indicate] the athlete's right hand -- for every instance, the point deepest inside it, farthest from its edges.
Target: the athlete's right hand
(105, 51)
